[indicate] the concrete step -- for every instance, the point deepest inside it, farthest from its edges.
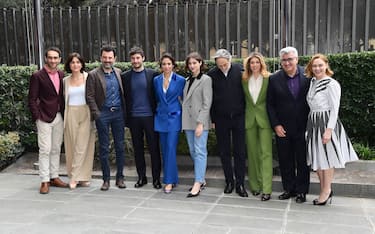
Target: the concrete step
(356, 180)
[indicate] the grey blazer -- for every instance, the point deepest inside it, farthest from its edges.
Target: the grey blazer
(196, 103)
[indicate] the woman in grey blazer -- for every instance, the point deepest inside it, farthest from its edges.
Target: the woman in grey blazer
(196, 117)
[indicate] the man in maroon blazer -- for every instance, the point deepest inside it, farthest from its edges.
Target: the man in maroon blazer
(46, 104)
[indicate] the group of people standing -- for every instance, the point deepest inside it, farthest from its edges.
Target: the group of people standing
(243, 104)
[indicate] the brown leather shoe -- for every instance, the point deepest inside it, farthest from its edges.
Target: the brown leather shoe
(57, 182)
(120, 183)
(105, 186)
(44, 188)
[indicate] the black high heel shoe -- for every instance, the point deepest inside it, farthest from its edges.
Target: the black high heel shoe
(265, 197)
(317, 203)
(193, 195)
(203, 185)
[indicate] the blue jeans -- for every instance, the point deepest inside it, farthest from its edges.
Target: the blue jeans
(198, 152)
(115, 120)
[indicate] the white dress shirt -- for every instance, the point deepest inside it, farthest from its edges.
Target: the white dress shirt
(255, 86)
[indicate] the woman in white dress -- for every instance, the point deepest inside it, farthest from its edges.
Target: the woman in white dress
(328, 146)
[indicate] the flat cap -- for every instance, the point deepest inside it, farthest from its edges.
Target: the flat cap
(222, 53)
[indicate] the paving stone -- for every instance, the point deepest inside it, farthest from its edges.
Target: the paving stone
(235, 221)
(303, 227)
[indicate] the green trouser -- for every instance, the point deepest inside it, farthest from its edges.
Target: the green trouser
(259, 153)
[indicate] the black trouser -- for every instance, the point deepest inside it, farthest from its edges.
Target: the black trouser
(138, 127)
(231, 130)
(295, 174)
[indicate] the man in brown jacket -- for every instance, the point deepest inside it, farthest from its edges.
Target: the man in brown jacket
(105, 97)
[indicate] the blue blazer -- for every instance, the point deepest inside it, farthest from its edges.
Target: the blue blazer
(168, 105)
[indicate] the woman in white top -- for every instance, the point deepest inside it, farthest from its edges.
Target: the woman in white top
(328, 146)
(79, 132)
(257, 126)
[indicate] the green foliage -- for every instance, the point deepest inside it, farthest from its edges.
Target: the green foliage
(364, 152)
(10, 146)
(183, 148)
(14, 114)
(354, 71)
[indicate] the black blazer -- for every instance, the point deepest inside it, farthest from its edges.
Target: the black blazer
(228, 98)
(126, 83)
(283, 109)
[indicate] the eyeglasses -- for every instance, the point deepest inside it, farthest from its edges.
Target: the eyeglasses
(288, 60)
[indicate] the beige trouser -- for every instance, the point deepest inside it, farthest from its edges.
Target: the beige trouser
(50, 136)
(79, 142)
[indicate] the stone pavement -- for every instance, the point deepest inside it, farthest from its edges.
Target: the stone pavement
(146, 210)
(356, 180)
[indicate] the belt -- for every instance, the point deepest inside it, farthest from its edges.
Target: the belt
(114, 108)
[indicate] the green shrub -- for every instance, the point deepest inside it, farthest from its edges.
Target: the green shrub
(354, 71)
(364, 152)
(14, 114)
(10, 146)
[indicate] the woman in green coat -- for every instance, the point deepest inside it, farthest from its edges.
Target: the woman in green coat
(257, 126)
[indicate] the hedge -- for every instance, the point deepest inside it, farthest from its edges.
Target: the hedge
(354, 71)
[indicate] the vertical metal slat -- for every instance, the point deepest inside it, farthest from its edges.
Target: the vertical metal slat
(367, 24)
(147, 37)
(260, 26)
(108, 27)
(354, 24)
(89, 38)
(186, 34)
(98, 28)
(342, 9)
(51, 26)
(136, 26)
(15, 36)
(328, 32)
(176, 42)
(239, 45)
(271, 29)
(227, 31)
(217, 26)
(249, 26)
(156, 26)
(294, 23)
(80, 31)
(316, 36)
(6, 36)
(304, 42)
(127, 31)
(166, 27)
(70, 30)
(196, 39)
(118, 42)
(207, 49)
(61, 25)
(24, 33)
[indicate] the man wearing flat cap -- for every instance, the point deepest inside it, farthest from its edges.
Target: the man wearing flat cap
(228, 118)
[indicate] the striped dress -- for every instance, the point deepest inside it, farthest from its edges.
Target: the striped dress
(324, 102)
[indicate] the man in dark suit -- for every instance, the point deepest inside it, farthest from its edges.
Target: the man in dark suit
(105, 98)
(228, 118)
(141, 104)
(288, 110)
(46, 104)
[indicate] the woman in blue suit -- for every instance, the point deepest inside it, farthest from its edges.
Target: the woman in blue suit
(168, 91)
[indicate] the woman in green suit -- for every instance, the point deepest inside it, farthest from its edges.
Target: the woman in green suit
(258, 129)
